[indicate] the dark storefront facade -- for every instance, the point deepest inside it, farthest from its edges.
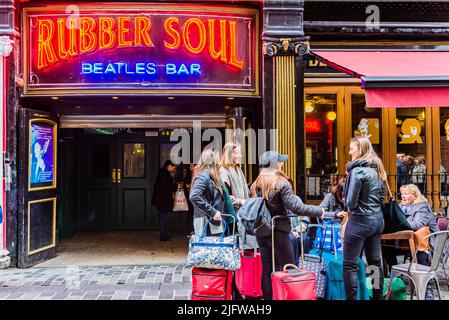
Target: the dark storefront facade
(98, 88)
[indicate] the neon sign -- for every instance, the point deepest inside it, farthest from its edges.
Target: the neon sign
(178, 47)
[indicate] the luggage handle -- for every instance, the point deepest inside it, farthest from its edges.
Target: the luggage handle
(225, 227)
(290, 266)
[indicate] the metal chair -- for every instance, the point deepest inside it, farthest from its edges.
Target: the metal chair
(419, 274)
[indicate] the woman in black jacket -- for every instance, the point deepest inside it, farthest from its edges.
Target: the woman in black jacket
(275, 187)
(364, 195)
(207, 192)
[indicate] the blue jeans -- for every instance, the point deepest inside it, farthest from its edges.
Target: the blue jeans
(362, 233)
(163, 217)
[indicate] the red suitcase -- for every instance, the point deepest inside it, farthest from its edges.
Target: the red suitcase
(210, 284)
(292, 283)
(249, 277)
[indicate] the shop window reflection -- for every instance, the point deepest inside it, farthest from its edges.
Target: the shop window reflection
(411, 148)
(134, 160)
(366, 122)
(321, 143)
(444, 142)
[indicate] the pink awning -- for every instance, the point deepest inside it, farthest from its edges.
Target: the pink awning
(396, 79)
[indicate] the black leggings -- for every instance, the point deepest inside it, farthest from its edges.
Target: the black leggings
(284, 255)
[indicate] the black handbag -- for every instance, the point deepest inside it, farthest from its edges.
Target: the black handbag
(394, 217)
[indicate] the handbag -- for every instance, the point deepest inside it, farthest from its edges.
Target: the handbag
(211, 252)
(419, 235)
(327, 234)
(180, 201)
(394, 217)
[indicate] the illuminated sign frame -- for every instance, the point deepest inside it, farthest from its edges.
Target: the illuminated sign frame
(214, 84)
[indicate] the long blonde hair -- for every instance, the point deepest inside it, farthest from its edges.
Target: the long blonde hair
(226, 156)
(210, 159)
(267, 180)
(411, 188)
(368, 154)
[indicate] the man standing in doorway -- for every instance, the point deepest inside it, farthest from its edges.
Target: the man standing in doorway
(162, 199)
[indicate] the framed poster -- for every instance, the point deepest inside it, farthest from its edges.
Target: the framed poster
(42, 157)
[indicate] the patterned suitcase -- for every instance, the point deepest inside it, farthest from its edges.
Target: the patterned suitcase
(208, 284)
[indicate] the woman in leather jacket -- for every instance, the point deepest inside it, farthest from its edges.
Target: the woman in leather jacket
(364, 194)
(273, 185)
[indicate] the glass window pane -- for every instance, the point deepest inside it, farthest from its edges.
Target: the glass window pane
(99, 160)
(366, 122)
(444, 141)
(321, 143)
(134, 160)
(411, 147)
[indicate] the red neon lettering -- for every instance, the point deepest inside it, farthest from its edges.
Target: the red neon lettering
(233, 60)
(173, 33)
(106, 25)
(201, 35)
(46, 52)
(88, 39)
(62, 51)
(123, 32)
(221, 54)
(142, 30)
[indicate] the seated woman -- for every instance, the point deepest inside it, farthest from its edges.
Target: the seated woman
(419, 214)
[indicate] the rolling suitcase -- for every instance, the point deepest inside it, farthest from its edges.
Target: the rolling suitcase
(208, 284)
(249, 277)
(292, 283)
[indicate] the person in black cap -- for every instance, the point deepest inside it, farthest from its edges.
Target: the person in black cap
(276, 188)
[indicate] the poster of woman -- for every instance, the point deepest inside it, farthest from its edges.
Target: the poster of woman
(42, 162)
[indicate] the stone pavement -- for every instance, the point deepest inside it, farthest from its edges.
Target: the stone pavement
(126, 282)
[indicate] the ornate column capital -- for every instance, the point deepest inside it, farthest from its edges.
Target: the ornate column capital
(285, 46)
(6, 46)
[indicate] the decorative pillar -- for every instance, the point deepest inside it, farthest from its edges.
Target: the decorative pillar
(284, 46)
(5, 50)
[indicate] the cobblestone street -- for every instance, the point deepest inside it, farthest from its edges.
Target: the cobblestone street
(133, 282)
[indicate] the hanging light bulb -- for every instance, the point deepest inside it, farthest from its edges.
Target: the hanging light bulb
(331, 115)
(309, 106)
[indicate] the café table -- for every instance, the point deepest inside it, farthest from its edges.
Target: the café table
(407, 243)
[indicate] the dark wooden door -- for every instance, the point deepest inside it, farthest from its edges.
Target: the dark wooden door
(99, 187)
(37, 189)
(135, 176)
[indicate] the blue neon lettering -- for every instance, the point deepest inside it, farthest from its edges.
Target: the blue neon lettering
(127, 71)
(140, 68)
(86, 68)
(195, 68)
(183, 69)
(120, 65)
(98, 68)
(110, 69)
(170, 68)
(151, 68)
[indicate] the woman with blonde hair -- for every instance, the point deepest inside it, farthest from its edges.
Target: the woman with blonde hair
(275, 187)
(419, 214)
(208, 194)
(232, 175)
(364, 194)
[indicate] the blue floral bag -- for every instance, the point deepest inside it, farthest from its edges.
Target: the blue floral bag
(214, 252)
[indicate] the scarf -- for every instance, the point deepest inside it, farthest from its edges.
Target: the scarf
(237, 182)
